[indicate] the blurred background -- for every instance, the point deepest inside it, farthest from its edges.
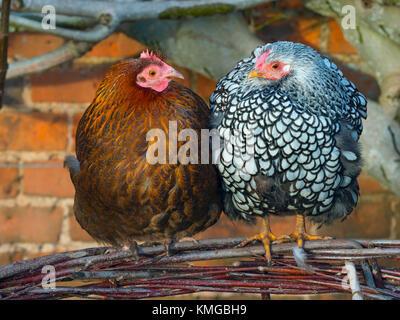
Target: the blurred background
(41, 112)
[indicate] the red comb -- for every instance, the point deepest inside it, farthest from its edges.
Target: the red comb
(149, 55)
(261, 59)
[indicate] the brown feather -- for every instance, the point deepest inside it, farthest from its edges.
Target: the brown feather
(119, 195)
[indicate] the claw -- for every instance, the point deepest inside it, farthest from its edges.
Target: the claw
(300, 234)
(189, 239)
(282, 239)
(133, 247)
(299, 237)
(167, 246)
(112, 250)
(266, 238)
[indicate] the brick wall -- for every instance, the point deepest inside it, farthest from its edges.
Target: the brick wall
(38, 124)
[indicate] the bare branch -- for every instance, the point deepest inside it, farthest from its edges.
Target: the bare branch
(5, 12)
(132, 10)
(64, 21)
(67, 52)
(96, 34)
(109, 15)
(117, 275)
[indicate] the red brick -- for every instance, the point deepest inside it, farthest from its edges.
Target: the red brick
(33, 131)
(47, 180)
(9, 182)
(369, 220)
(75, 230)
(369, 185)
(30, 224)
(74, 84)
(337, 43)
(31, 44)
(117, 45)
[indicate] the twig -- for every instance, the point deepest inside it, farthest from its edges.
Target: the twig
(353, 280)
(70, 50)
(392, 136)
(104, 18)
(118, 276)
(138, 10)
(5, 12)
(64, 21)
(95, 34)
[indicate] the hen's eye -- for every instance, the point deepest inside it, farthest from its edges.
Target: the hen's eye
(152, 73)
(275, 66)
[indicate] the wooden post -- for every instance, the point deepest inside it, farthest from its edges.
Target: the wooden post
(5, 13)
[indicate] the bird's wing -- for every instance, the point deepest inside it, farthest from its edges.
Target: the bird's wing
(218, 102)
(356, 107)
(226, 89)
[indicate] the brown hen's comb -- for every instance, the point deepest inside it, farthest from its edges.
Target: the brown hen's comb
(149, 55)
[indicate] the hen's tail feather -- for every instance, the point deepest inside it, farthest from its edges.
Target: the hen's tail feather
(72, 163)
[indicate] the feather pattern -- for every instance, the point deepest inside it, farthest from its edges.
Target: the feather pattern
(120, 196)
(300, 151)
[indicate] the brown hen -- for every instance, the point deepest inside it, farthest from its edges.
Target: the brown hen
(121, 197)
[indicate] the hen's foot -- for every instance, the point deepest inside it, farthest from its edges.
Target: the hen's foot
(266, 238)
(300, 234)
(112, 250)
(299, 237)
(189, 239)
(133, 247)
(168, 246)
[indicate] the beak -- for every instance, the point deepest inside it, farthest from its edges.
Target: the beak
(172, 73)
(254, 74)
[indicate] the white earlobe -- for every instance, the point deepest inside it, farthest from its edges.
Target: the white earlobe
(286, 68)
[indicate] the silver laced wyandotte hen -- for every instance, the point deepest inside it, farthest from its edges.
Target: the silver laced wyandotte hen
(123, 192)
(290, 123)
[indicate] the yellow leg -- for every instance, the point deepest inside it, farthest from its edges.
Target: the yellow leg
(300, 233)
(266, 237)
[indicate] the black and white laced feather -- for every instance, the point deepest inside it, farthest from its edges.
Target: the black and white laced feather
(291, 145)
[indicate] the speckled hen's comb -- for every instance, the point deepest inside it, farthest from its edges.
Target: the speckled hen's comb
(149, 55)
(261, 59)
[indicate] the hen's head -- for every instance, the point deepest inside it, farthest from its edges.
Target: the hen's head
(295, 68)
(289, 62)
(155, 73)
